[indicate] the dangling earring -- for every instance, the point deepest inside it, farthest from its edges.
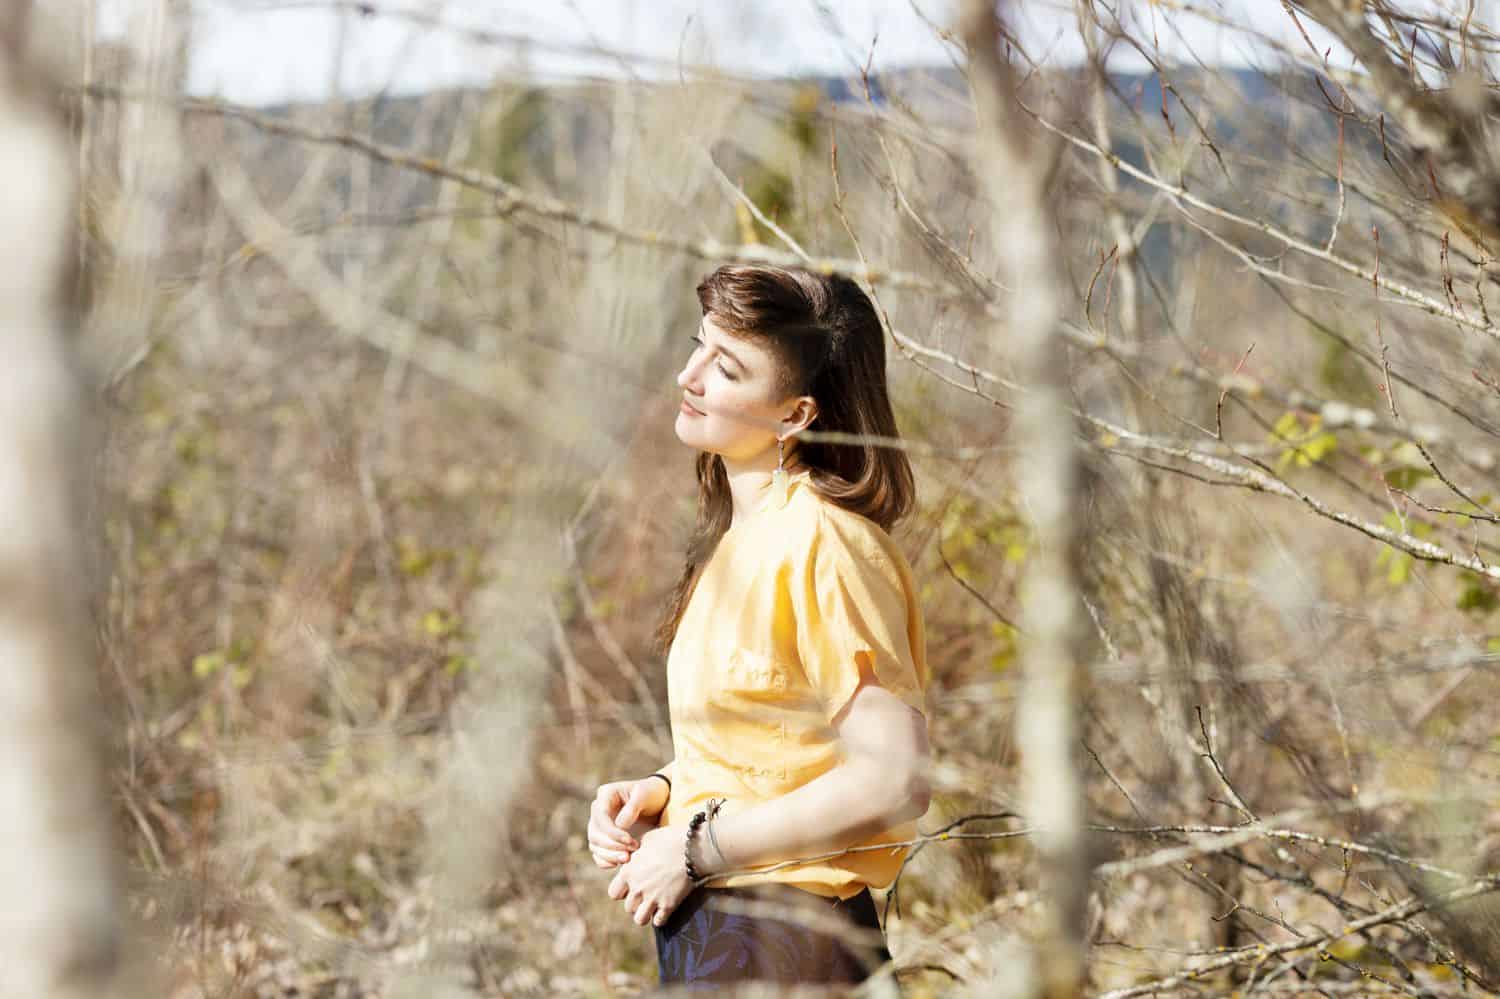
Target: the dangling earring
(778, 477)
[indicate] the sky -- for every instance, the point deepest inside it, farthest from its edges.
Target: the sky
(269, 51)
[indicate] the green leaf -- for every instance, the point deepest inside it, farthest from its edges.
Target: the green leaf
(1408, 454)
(411, 559)
(1309, 443)
(206, 664)
(1400, 569)
(1406, 478)
(1477, 597)
(1319, 447)
(439, 623)
(1287, 427)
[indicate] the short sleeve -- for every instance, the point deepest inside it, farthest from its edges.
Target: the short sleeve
(856, 611)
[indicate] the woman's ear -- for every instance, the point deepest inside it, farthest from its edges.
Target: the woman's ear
(804, 411)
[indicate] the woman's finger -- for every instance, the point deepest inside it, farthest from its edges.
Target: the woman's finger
(643, 911)
(610, 858)
(611, 799)
(602, 810)
(610, 844)
(608, 837)
(606, 833)
(602, 824)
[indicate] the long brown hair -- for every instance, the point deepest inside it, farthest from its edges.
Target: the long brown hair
(827, 339)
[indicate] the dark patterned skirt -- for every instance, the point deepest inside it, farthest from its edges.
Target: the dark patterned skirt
(702, 944)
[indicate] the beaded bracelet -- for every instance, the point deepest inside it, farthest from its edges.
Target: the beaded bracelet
(687, 846)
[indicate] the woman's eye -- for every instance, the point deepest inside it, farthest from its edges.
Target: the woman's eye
(696, 342)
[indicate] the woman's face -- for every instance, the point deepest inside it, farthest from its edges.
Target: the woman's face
(730, 402)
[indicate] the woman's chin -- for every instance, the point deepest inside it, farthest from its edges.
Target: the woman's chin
(690, 434)
(685, 435)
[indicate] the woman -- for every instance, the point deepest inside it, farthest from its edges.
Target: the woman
(797, 666)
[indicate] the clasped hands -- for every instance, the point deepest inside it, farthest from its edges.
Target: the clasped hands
(651, 879)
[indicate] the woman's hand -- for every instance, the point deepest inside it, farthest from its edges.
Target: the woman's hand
(622, 811)
(654, 881)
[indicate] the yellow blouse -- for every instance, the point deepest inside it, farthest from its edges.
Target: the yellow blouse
(794, 598)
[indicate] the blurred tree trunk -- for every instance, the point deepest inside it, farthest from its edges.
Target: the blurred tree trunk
(1047, 725)
(59, 886)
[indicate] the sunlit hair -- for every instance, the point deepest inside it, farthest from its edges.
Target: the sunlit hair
(828, 343)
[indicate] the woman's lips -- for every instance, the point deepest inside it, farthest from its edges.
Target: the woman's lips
(689, 409)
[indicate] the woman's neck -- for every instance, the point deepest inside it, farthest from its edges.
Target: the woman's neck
(748, 482)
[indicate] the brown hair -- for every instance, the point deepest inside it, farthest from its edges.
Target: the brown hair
(827, 339)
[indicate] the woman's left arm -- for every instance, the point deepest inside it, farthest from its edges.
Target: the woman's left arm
(881, 782)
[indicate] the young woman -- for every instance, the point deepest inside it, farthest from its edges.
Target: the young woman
(797, 666)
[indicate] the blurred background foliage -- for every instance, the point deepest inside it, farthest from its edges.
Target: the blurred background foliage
(305, 496)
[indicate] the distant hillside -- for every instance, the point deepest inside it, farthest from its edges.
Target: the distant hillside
(521, 144)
